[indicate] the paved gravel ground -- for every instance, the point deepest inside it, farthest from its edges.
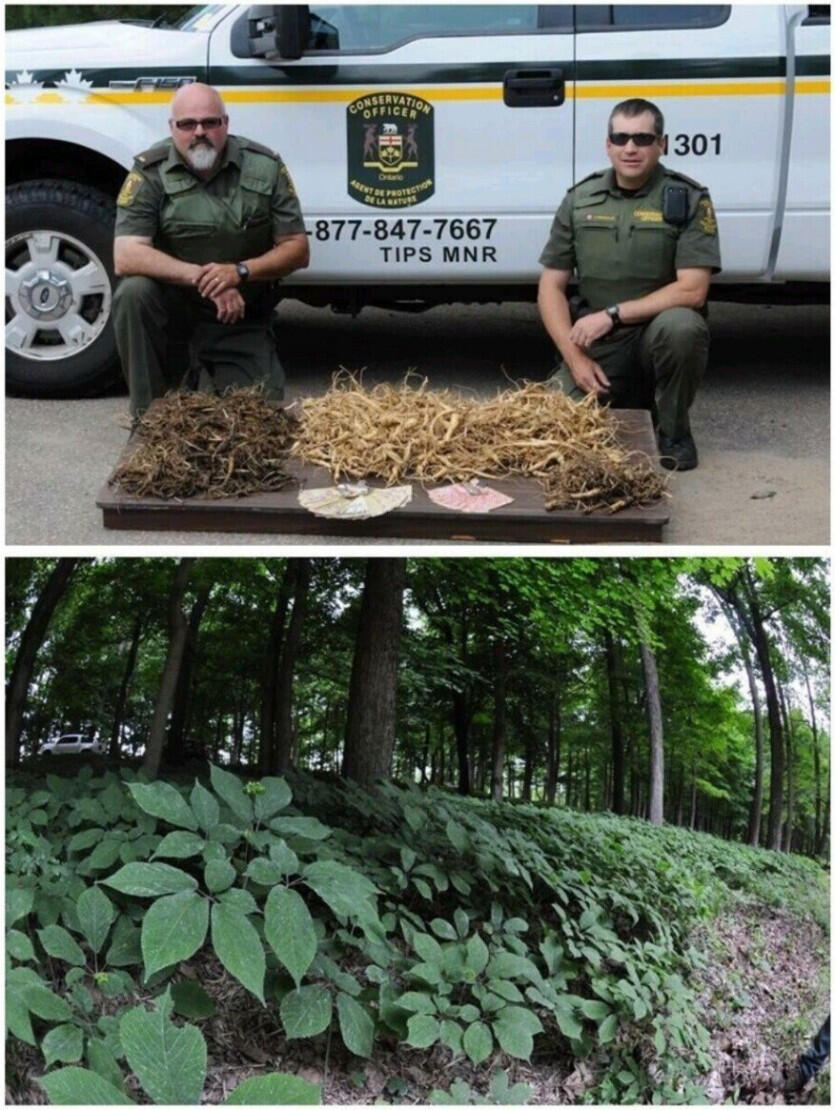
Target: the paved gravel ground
(761, 421)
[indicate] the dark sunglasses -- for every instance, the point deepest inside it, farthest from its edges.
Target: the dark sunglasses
(210, 123)
(639, 138)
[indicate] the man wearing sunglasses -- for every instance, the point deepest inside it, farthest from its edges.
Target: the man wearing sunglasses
(643, 242)
(206, 225)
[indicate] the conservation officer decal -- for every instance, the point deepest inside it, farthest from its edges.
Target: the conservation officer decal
(391, 150)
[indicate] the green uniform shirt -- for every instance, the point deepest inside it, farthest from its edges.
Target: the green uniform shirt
(243, 208)
(620, 246)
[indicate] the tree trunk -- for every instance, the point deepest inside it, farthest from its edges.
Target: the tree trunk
(461, 729)
(372, 696)
(24, 664)
(499, 719)
(554, 743)
(175, 747)
(178, 630)
(788, 828)
(615, 725)
(122, 695)
(816, 761)
(656, 735)
(282, 747)
(756, 811)
(269, 674)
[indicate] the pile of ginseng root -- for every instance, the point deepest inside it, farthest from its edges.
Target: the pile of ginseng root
(411, 433)
(203, 445)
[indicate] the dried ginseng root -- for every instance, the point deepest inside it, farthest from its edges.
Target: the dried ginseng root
(411, 433)
(203, 445)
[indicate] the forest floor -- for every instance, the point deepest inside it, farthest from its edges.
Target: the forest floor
(764, 993)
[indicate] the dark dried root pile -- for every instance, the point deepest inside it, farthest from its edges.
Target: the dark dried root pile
(201, 445)
(401, 433)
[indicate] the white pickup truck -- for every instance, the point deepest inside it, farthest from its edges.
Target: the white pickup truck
(430, 145)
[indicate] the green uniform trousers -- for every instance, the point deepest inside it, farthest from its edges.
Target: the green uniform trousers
(155, 322)
(657, 366)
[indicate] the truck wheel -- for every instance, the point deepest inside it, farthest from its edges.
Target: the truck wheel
(59, 289)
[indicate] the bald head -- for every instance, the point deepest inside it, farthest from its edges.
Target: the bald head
(199, 125)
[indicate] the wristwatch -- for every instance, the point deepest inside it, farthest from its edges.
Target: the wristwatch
(613, 312)
(243, 271)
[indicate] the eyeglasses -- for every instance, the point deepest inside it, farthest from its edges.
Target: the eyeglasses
(639, 138)
(210, 123)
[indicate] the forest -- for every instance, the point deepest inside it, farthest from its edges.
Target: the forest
(467, 829)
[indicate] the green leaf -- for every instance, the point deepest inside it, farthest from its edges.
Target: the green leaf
(168, 1061)
(515, 1028)
(306, 1011)
(277, 795)
(443, 929)
(428, 948)
(45, 1004)
(149, 880)
(507, 990)
(477, 1042)
(570, 1027)
(594, 1009)
(239, 948)
(173, 929)
(105, 854)
(19, 902)
(462, 923)
(355, 1025)
(57, 942)
(205, 808)
(457, 836)
(64, 1043)
(348, 892)
(278, 1089)
(423, 1031)
(660, 1042)
(507, 965)
(285, 857)
(229, 788)
(126, 946)
(264, 871)
(289, 930)
(19, 946)
(218, 875)
(80, 1087)
(191, 1001)
(451, 1036)
(241, 900)
(165, 801)
(85, 839)
(103, 1063)
(179, 845)
(417, 1001)
(476, 956)
(309, 827)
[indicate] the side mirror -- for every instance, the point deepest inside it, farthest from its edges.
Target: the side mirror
(272, 31)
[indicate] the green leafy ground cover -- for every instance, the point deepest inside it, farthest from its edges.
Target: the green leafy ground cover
(488, 935)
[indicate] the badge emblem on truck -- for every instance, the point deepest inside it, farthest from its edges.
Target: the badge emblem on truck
(391, 149)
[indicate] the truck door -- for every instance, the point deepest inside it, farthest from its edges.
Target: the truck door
(428, 143)
(718, 75)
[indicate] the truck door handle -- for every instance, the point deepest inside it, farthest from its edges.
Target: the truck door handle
(534, 88)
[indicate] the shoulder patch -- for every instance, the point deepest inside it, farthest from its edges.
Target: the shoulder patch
(707, 216)
(127, 194)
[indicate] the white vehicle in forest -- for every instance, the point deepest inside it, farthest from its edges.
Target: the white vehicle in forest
(72, 743)
(430, 145)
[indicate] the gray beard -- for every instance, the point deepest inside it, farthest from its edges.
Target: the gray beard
(202, 157)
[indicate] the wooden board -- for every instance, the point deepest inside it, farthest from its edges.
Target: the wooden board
(526, 520)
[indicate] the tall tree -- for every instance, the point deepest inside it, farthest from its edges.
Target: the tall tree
(372, 696)
(283, 740)
(177, 633)
(31, 640)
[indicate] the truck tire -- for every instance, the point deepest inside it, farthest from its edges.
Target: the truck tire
(59, 289)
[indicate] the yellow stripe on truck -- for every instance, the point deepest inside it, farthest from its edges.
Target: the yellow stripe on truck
(585, 91)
